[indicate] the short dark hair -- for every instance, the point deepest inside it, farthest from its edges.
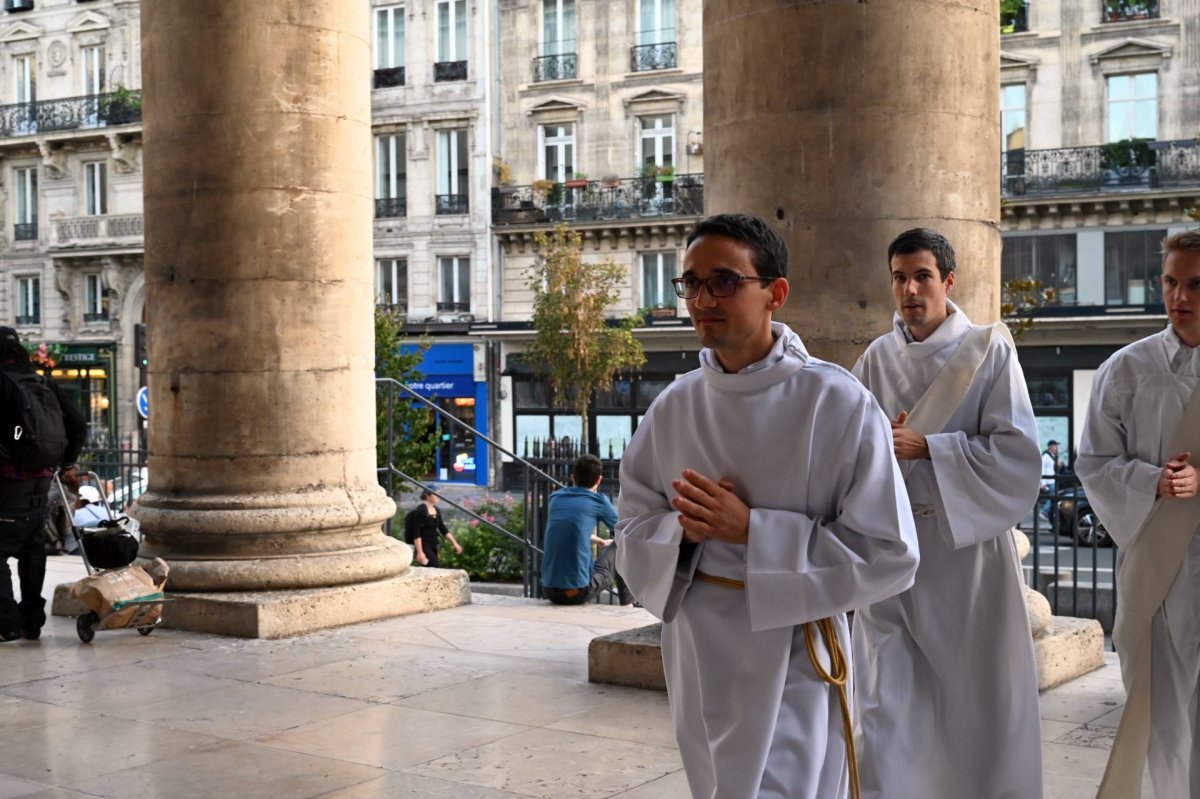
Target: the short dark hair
(426, 494)
(923, 238)
(586, 471)
(1184, 241)
(770, 250)
(11, 348)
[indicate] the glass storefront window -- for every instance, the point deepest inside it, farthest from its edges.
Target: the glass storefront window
(1050, 260)
(1132, 264)
(612, 434)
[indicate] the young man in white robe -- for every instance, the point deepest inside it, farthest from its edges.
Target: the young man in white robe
(947, 682)
(759, 502)
(1129, 464)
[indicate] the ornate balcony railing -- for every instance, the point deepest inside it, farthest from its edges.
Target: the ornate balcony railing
(452, 204)
(386, 207)
(399, 308)
(454, 307)
(555, 67)
(25, 231)
(599, 200)
(1121, 166)
(388, 77)
(646, 57)
(449, 70)
(102, 316)
(99, 231)
(29, 321)
(1015, 22)
(70, 113)
(1125, 10)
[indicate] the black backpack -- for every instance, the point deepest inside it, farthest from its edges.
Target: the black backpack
(35, 437)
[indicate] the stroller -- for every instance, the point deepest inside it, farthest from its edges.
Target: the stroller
(109, 545)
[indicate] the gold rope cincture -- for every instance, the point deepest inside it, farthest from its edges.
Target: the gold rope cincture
(837, 675)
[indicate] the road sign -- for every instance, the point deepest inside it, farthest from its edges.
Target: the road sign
(143, 402)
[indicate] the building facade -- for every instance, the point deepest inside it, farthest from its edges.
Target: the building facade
(1100, 108)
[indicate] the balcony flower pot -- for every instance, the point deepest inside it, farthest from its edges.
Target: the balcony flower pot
(577, 184)
(668, 178)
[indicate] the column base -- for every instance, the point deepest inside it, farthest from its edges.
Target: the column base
(280, 614)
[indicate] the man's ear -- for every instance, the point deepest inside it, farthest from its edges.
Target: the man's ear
(949, 282)
(779, 294)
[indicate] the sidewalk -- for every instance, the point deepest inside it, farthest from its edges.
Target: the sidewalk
(481, 702)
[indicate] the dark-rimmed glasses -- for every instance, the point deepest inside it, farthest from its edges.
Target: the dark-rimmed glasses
(719, 286)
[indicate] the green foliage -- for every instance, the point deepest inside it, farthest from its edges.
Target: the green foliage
(580, 351)
(1018, 301)
(488, 555)
(1127, 153)
(412, 445)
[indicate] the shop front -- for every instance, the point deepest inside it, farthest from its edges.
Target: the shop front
(454, 379)
(87, 373)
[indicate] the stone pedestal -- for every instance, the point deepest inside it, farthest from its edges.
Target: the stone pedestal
(259, 299)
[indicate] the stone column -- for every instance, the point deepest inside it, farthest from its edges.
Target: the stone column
(259, 297)
(846, 123)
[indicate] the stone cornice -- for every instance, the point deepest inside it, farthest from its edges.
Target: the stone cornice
(1049, 213)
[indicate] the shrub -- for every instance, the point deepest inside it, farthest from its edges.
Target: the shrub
(488, 555)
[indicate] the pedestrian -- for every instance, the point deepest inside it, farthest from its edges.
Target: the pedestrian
(40, 429)
(759, 502)
(1049, 482)
(424, 528)
(948, 690)
(1137, 456)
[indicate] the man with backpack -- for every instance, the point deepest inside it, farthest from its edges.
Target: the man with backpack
(40, 429)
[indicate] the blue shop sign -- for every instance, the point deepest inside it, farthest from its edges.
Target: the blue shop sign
(445, 359)
(444, 386)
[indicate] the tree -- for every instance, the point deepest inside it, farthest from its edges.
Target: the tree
(1019, 299)
(577, 344)
(411, 444)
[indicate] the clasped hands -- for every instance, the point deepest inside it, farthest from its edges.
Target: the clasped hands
(908, 444)
(710, 509)
(1178, 479)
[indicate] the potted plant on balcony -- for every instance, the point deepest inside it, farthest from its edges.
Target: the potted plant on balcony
(124, 105)
(580, 181)
(1127, 159)
(610, 182)
(657, 311)
(665, 174)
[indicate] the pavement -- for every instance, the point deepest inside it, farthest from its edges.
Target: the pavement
(488, 701)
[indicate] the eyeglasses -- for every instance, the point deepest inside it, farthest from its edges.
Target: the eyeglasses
(718, 286)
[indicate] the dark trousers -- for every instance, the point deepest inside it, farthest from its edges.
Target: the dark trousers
(604, 577)
(22, 514)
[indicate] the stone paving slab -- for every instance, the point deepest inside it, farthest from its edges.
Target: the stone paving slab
(486, 701)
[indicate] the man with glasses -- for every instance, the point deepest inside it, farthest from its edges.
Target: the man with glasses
(1136, 460)
(948, 690)
(759, 502)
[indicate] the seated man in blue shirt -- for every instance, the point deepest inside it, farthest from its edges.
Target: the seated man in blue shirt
(569, 574)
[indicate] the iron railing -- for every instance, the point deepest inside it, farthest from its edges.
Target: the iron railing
(623, 198)
(389, 77)
(452, 204)
(122, 472)
(70, 113)
(1121, 166)
(647, 57)
(555, 67)
(25, 231)
(390, 207)
(454, 307)
(102, 316)
(29, 321)
(1125, 10)
(449, 70)
(400, 307)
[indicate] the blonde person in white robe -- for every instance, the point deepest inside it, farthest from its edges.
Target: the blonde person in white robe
(1126, 463)
(758, 497)
(947, 682)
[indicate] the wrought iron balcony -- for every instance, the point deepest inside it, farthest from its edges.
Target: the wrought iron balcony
(102, 316)
(449, 70)
(29, 321)
(1125, 10)
(399, 308)
(646, 57)
(1135, 165)
(454, 307)
(389, 77)
(1015, 21)
(70, 113)
(599, 200)
(118, 230)
(452, 204)
(389, 207)
(555, 67)
(25, 231)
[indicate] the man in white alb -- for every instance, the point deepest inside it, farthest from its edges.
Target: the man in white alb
(1136, 456)
(759, 502)
(947, 683)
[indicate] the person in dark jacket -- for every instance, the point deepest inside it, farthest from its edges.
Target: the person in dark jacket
(23, 496)
(429, 525)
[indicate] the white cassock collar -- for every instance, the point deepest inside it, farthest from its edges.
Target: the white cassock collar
(1179, 355)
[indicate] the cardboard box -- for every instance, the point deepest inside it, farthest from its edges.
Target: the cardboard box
(109, 592)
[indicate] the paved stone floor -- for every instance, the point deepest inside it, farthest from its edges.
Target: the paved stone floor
(481, 702)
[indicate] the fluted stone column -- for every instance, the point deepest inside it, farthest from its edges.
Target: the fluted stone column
(846, 123)
(259, 295)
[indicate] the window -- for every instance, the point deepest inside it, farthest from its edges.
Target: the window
(558, 152)
(657, 270)
(390, 178)
(452, 180)
(656, 142)
(558, 57)
(1012, 117)
(389, 46)
(1131, 267)
(1050, 260)
(93, 70)
(29, 300)
(95, 188)
(455, 284)
(1133, 106)
(391, 283)
(94, 309)
(451, 40)
(656, 22)
(24, 91)
(25, 179)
